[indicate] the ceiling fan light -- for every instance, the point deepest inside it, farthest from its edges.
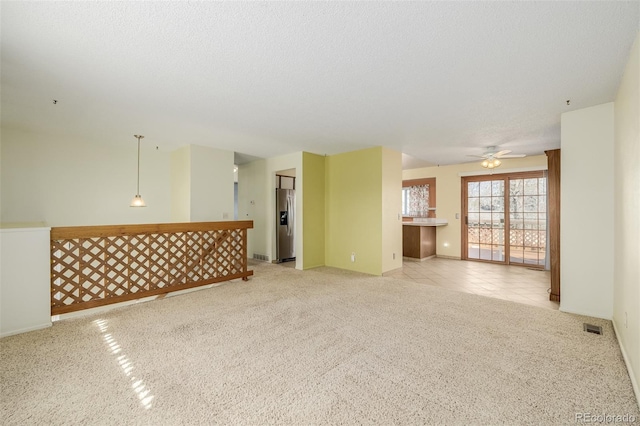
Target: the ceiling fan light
(497, 162)
(137, 202)
(485, 163)
(490, 165)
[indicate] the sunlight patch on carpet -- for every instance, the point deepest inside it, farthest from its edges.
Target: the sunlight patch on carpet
(138, 385)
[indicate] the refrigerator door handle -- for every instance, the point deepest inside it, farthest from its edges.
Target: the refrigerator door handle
(289, 215)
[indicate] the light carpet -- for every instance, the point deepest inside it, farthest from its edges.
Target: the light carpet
(317, 347)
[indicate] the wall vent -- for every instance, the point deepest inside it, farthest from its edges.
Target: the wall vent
(590, 328)
(262, 257)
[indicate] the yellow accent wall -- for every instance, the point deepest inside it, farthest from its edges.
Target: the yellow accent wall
(448, 184)
(353, 218)
(313, 210)
(346, 203)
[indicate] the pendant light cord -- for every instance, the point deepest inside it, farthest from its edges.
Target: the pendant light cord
(138, 187)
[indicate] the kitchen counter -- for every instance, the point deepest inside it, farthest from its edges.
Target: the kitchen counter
(419, 237)
(427, 222)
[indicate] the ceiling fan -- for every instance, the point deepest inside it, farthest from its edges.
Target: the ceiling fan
(492, 157)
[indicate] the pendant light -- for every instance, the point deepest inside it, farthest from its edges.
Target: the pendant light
(137, 200)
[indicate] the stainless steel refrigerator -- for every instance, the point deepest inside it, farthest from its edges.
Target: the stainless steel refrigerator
(285, 224)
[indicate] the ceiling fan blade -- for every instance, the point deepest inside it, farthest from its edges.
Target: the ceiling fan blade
(502, 153)
(513, 156)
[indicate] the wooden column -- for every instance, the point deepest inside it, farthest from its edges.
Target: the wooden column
(553, 179)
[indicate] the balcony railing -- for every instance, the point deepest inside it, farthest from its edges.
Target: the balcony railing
(99, 265)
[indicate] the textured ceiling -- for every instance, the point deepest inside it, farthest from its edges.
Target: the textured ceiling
(435, 80)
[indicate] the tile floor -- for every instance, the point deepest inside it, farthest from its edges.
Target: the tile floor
(516, 283)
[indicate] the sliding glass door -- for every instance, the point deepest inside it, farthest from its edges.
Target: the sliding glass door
(528, 221)
(505, 218)
(485, 220)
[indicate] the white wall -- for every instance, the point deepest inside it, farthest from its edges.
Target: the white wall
(71, 182)
(586, 218)
(251, 204)
(202, 181)
(391, 210)
(181, 184)
(256, 201)
(25, 287)
(64, 181)
(626, 290)
(211, 184)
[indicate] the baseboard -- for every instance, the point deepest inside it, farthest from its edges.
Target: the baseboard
(386, 273)
(584, 314)
(442, 256)
(100, 309)
(632, 376)
(25, 330)
(304, 268)
(415, 259)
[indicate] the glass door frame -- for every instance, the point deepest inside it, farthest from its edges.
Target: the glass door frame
(506, 178)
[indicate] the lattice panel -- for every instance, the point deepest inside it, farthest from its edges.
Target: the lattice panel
(528, 238)
(92, 267)
(92, 271)
(117, 273)
(158, 261)
(177, 263)
(485, 235)
(65, 272)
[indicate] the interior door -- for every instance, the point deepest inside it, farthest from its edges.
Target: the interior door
(505, 218)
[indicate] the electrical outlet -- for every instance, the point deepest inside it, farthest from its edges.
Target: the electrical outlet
(457, 215)
(353, 257)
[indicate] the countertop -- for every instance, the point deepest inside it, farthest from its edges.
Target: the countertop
(427, 222)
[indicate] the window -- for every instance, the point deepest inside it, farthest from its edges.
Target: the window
(418, 197)
(415, 200)
(405, 201)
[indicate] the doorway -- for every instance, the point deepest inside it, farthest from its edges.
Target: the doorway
(285, 211)
(505, 218)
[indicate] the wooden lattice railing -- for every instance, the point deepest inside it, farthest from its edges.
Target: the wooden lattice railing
(99, 265)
